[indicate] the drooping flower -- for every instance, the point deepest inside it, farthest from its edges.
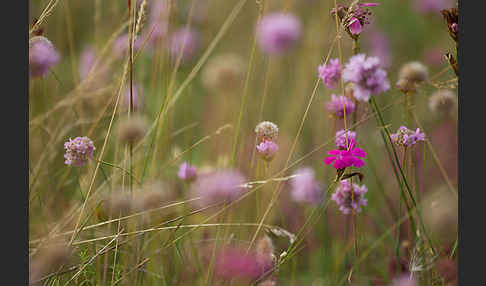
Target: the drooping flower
(266, 130)
(236, 263)
(225, 185)
(330, 73)
(341, 138)
(267, 149)
(347, 157)
(304, 187)
(184, 42)
(42, 56)
(354, 17)
(336, 107)
(346, 194)
(367, 75)
(278, 32)
(355, 26)
(187, 172)
(78, 151)
(407, 137)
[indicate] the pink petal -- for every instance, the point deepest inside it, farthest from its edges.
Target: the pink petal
(329, 160)
(359, 152)
(334, 152)
(355, 26)
(358, 163)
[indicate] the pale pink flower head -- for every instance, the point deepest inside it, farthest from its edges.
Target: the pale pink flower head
(217, 187)
(367, 75)
(187, 172)
(305, 187)
(278, 32)
(186, 42)
(346, 194)
(341, 138)
(337, 108)
(378, 43)
(347, 157)
(86, 61)
(267, 149)
(235, 263)
(330, 73)
(78, 151)
(404, 280)
(42, 56)
(406, 137)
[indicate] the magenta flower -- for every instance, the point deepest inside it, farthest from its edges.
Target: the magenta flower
(346, 194)
(217, 187)
(267, 149)
(187, 172)
(305, 188)
(42, 56)
(341, 138)
(330, 73)
(235, 263)
(185, 41)
(336, 107)
(355, 26)
(278, 32)
(367, 75)
(346, 158)
(407, 137)
(78, 151)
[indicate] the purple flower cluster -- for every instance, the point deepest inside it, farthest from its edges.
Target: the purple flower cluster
(187, 172)
(278, 32)
(218, 187)
(347, 157)
(346, 194)
(341, 138)
(42, 56)
(330, 73)
(235, 263)
(305, 188)
(78, 151)
(267, 149)
(367, 75)
(407, 137)
(186, 42)
(336, 107)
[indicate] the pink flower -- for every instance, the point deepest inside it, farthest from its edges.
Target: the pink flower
(355, 26)
(337, 108)
(346, 158)
(267, 149)
(187, 172)
(278, 32)
(233, 262)
(330, 73)
(347, 194)
(305, 187)
(223, 185)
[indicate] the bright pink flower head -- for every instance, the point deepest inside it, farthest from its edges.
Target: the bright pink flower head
(336, 107)
(187, 172)
(346, 158)
(235, 263)
(267, 149)
(355, 26)
(346, 194)
(330, 73)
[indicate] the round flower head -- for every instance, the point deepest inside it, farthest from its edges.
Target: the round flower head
(367, 75)
(236, 263)
(336, 107)
(223, 73)
(278, 32)
(341, 138)
(414, 72)
(330, 73)
(305, 188)
(346, 194)
(347, 157)
(78, 151)
(266, 130)
(132, 129)
(404, 280)
(218, 187)
(187, 172)
(42, 56)
(443, 101)
(267, 149)
(185, 41)
(407, 137)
